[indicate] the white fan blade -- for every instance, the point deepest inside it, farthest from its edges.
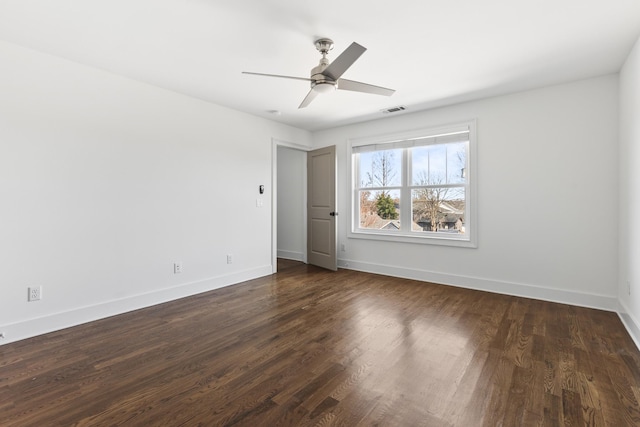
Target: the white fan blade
(352, 85)
(306, 79)
(307, 99)
(344, 61)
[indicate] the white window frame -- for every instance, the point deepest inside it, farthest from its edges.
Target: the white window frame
(397, 140)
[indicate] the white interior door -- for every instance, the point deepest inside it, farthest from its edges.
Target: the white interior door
(321, 208)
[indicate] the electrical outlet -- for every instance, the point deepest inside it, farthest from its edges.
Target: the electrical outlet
(229, 259)
(177, 267)
(343, 248)
(35, 293)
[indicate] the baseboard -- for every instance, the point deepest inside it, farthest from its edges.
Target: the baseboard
(295, 256)
(630, 323)
(601, 302)
(38, 326)
(54, 322)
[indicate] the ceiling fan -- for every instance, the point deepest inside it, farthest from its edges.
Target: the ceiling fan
(327, 76)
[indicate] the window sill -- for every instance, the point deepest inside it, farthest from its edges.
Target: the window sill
(461, 242)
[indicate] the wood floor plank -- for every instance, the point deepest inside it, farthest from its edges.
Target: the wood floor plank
(309, 347)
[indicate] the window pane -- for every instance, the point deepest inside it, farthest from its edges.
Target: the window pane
(438, 209)
(380, 210)
(438, 164)
(380, 168)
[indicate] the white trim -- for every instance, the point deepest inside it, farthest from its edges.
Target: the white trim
(630, 323)
(296, 256)
(54, 322)
(460, 126)
(282, 143)
(602, 302)
(42, 325)
(433, 239)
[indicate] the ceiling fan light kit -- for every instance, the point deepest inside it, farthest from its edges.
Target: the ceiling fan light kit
(326, 76)
(324, 87)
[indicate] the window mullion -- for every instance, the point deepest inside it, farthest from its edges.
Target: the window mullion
(405, 193)
(355, 206)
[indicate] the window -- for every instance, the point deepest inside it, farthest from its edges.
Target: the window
(415, 187)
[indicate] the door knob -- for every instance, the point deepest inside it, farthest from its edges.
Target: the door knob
(333, 213)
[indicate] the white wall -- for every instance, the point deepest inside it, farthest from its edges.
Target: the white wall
(629, 225)
(291, 200)
(547, 191)
(105, 182)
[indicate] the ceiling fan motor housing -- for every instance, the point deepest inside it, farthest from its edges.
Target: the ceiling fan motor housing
(319, 82)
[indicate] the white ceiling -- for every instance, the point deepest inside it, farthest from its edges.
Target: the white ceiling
(432, 52)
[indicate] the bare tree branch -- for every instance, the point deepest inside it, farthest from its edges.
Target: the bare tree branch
(427, 201)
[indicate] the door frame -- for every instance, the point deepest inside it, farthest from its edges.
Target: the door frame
(275, 143)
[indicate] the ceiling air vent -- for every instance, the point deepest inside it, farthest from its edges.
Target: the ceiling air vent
(394, 109)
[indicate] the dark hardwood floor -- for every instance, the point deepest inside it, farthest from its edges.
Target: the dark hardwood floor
(309, 347)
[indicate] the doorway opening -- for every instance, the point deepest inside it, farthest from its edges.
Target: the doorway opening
(289, 222)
